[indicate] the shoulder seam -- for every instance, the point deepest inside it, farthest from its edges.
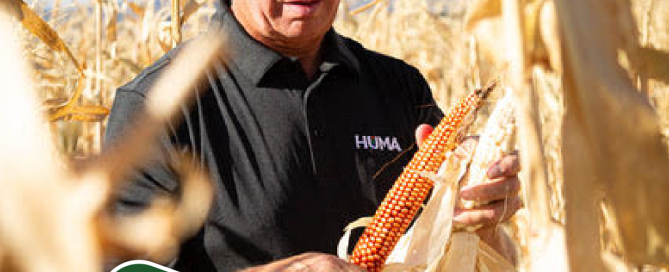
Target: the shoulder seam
(132, 91)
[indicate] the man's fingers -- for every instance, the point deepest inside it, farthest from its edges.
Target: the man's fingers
(422, 132)
(508, 166)
(494, 213)
(308, 262)
(324, 262)
(497, 189)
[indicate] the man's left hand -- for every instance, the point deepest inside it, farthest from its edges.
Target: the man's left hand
(501, 194)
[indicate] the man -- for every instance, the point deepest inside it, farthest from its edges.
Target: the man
(302, 131)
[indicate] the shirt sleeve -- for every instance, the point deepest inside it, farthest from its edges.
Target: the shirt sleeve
(426, 110)
(152, 178)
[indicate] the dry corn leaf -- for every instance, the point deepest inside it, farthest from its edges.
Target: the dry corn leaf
(535, 187)
(112, 26)
(548, 35)
(190, 9)
(538, 53)
(33, 23)
(540, 34)
(462, 253)
(54, 103)
(58, 112)
(365, 7)
(134, 68)
(653, 63)
(490, 261)
(84, 114)
(128, 63)
(482, 10)
(612, 140)
(164, 40)
(137, 9)
(549, 253)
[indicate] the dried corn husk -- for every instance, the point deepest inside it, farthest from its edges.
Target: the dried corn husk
(464, 250)
(498, 139)
(612, 138)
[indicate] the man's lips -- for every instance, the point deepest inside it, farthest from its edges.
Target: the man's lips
(302, 7)
(301, 2)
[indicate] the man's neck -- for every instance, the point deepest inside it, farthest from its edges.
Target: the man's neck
(307, 51)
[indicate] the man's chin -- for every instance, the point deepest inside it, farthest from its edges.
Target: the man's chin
(301, 31)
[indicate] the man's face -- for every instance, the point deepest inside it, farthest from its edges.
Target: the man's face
(288, 19)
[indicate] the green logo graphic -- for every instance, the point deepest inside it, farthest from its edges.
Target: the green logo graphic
(141, 266)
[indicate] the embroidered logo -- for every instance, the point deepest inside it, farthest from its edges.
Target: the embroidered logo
(377, 142)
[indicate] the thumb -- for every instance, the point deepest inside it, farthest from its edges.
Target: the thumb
(422, 132)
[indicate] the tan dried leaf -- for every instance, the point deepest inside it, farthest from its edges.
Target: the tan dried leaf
(52, 103)
(112, 26)
(137, 9)
(481, 10)
(190, 9)
(462, 253)
(612, 140)
(653, 63)
(366, 7)
(85, 114)
(58, 112)
(33, 23)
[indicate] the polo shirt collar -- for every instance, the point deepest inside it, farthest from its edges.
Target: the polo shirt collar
(337, 52)
(255, 60)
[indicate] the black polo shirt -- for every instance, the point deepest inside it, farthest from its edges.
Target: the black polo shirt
(293, 160)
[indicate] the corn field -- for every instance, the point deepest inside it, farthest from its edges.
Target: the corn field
(590, 80)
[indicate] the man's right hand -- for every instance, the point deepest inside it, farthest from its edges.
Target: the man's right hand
(308, 262)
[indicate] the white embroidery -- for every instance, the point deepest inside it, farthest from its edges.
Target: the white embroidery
(377, 142)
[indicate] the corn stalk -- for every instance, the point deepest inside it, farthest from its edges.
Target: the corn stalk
(176, 22)
(612, 138)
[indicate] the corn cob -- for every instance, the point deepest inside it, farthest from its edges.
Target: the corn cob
(496, 141)
(402, 202)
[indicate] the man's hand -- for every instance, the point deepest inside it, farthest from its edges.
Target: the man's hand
(501, 194)
(308, 262)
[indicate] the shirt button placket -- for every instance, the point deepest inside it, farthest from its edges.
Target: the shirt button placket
(318, 132)
(316, 124)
